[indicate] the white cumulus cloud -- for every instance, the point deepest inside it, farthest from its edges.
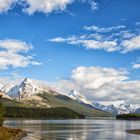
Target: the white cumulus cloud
(32, 6)
(131, 44)
(46, 6)
(13, 53)
(102, 84)
(92, 41)
(6, 5)
(42, 6)
(136, 66)
(103, 29)
(108, 39)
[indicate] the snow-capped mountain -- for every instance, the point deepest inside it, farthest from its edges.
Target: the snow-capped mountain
(73, 94)
(26, 94)
(127, 108)
(137, 111)
(27, 88)
(7, 87)
(117, 107)
(120, 107)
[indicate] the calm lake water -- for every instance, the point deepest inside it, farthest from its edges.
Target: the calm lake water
(87, 129)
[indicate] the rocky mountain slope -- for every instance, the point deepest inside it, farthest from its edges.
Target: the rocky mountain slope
(33, 93)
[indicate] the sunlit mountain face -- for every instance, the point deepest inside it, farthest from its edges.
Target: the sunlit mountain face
(86, 50)
(37, 93)
(30, 93)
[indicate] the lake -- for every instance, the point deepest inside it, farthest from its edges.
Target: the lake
(86, 129)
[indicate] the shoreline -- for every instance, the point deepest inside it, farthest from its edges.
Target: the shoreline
(11, 133)
(134, 131)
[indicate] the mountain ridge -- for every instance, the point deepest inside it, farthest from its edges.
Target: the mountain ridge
(34, 93)
(118, 107)
(29, 91)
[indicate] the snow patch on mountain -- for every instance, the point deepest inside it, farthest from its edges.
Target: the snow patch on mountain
(27, 88)
(73, 94)
(1, 86)
(6, 87)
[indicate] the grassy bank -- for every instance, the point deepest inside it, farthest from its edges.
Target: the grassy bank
(11, 134)
(135, 131)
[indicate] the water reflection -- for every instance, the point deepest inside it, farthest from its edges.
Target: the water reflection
(88, 129)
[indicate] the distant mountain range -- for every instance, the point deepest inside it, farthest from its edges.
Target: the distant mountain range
(117, 107)
(37, 93)
(33, 93)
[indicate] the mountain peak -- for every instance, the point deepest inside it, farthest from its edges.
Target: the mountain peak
(77, 96)
(29, 87)
(26, 79)
(73, 93)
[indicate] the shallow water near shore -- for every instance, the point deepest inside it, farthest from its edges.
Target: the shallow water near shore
(86, 129)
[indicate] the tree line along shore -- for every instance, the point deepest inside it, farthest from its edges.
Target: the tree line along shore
(128, 117)
(24, 112)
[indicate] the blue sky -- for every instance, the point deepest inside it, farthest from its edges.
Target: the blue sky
(59, 35)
